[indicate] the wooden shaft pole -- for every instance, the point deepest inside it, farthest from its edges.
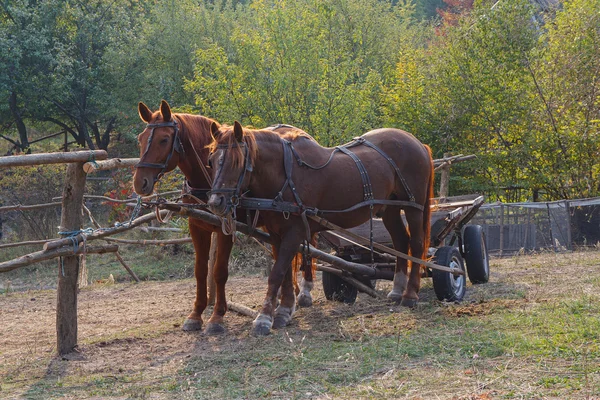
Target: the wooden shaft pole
(68, 269)
(212, 256)
(383, 248)
(242, 309)
(355, 282)
(53, 158)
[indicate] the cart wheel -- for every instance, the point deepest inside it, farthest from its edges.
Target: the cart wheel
(337, 289)
(476, 256)
(446, 285)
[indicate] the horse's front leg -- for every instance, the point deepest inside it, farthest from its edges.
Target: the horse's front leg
(221, 273)
(280, 276)
(201, 240)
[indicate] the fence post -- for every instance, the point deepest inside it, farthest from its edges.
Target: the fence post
(68, 266)
(568, 212)
(445, 178)
(501, 228)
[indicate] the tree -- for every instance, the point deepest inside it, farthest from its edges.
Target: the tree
(320, 66)
(25, 61)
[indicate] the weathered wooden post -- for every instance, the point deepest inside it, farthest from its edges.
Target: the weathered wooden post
(68, 266)
(445, 178)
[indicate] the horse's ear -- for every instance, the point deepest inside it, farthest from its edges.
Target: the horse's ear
(145, 113)
(238, 131)
(214, 130)
(165, 110)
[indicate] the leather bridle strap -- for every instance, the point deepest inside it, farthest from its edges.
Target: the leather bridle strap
(176, 146)
(234, 200)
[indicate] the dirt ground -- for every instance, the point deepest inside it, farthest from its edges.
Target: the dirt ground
(134, 330)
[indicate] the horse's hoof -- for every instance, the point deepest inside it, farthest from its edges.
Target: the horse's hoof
(304, 300)
(214, 329)
(395, 296)
(281, 321)
(262, 325)
(192, 325)
(261, 330)
(410, 303)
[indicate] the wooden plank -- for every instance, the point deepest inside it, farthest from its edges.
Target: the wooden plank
(21, 207)
(53, 158)
(39, 256)
(101, 234)
(113, 163)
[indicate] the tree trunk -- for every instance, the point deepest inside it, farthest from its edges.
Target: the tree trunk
(21, 128)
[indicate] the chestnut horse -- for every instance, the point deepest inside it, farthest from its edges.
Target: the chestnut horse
(180, 140)
(389, 170)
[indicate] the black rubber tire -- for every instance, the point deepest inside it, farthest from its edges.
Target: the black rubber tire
(447, 286)
(476, 255)
(337, 289)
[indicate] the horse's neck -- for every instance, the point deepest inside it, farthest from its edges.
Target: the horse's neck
(196, 135)
(270, 163)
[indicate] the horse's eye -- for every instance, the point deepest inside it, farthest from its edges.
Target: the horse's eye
(164, 141)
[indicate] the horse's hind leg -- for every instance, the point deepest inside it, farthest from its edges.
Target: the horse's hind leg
(201, 240)
(221, 273)
(417, 244)
(307, 283)
(392, 220)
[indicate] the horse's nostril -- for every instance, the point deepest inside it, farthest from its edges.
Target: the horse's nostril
(145, 184)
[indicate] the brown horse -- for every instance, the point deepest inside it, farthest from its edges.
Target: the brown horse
(175, 139)
(328, 182)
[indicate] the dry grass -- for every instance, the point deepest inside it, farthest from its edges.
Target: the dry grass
(532, 332)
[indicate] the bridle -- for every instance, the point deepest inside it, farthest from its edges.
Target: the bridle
(232, 195)
(176, 146)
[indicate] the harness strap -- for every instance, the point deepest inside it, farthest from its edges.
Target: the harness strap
(255, 203)
(287, 165)
(364, 175)
(361, 140)
(200, 194)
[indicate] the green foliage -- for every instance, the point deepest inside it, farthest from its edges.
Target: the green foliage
(320, 66)
(512, 83)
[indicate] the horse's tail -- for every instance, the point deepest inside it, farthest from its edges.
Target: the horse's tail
(427, 207)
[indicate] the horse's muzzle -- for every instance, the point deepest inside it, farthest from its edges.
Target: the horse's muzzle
(218, 204)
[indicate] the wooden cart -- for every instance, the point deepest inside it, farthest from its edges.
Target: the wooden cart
(453, 243)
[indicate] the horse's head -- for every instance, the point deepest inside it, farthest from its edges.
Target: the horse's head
(232, 155)
(160, 146)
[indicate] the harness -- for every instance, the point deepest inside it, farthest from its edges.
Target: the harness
(297, 207)
(176, 146)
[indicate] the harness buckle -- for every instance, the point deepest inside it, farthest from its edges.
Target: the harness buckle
(286, 215)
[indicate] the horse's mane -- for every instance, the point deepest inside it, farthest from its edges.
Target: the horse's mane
(191, 127)
(251, 136)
